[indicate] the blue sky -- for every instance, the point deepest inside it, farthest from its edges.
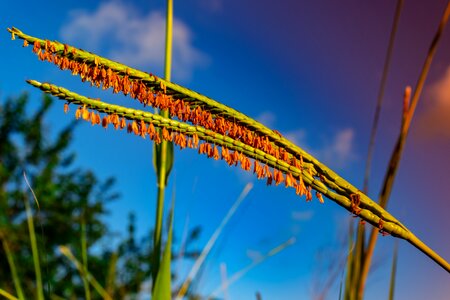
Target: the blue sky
(310, 69)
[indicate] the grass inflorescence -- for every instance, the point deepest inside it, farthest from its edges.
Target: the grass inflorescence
(216, 130)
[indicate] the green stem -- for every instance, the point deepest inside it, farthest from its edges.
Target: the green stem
(87, 291)
(34, 248)
(12, 266)
(163, 153)
(87, 275)
(7, 295)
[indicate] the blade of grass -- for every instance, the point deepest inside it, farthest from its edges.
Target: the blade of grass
(111, 277)
(69, 255)
(223, 278)
(162, 289)
(398, 150)
(163, 153)
(87, 291)
(33, 241)
(209, 245)
(255, 263)
(393, 272)
(12, 266)
(380, 97)
(7, 295)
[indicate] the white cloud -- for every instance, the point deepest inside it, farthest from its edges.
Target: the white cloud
(298, 137)
(123, 34)
(212, 6)
(267, 118)
(339, 152)
(302, 216)
(434, 121)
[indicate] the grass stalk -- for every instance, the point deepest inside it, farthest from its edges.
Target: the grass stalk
(211, 242)
(398, 150)
(33, 242)
(162, 168)
(12, 266)
(380, 97)
(81, 269)
(84, 256)
(7, 295)
(111, 275)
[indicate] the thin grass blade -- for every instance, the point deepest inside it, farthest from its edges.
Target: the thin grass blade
(88, 276)
(33, 242)
(7, 295)
(12, 266)
(235, 277)
(211, 242)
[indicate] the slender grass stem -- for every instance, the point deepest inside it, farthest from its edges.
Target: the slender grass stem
(397, 153)
(84, 256)
(88, 276)
(211, 242)
(380, 97)
(12, 266)
(235, 277)
(161, 169)
(7, 295)
(33, 242)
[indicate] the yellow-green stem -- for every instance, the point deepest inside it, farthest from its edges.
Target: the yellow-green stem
(95, 284)
(12, 266)
(35, 252)
(161, 169)
(87, 291)
(7, 295)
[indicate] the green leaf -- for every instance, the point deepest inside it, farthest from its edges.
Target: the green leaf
(162, 289)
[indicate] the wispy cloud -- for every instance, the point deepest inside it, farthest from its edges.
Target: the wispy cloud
(434, 121)
(212, 6)
(267, 118)
(122, 33)
(302, 216)
(337, 151)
